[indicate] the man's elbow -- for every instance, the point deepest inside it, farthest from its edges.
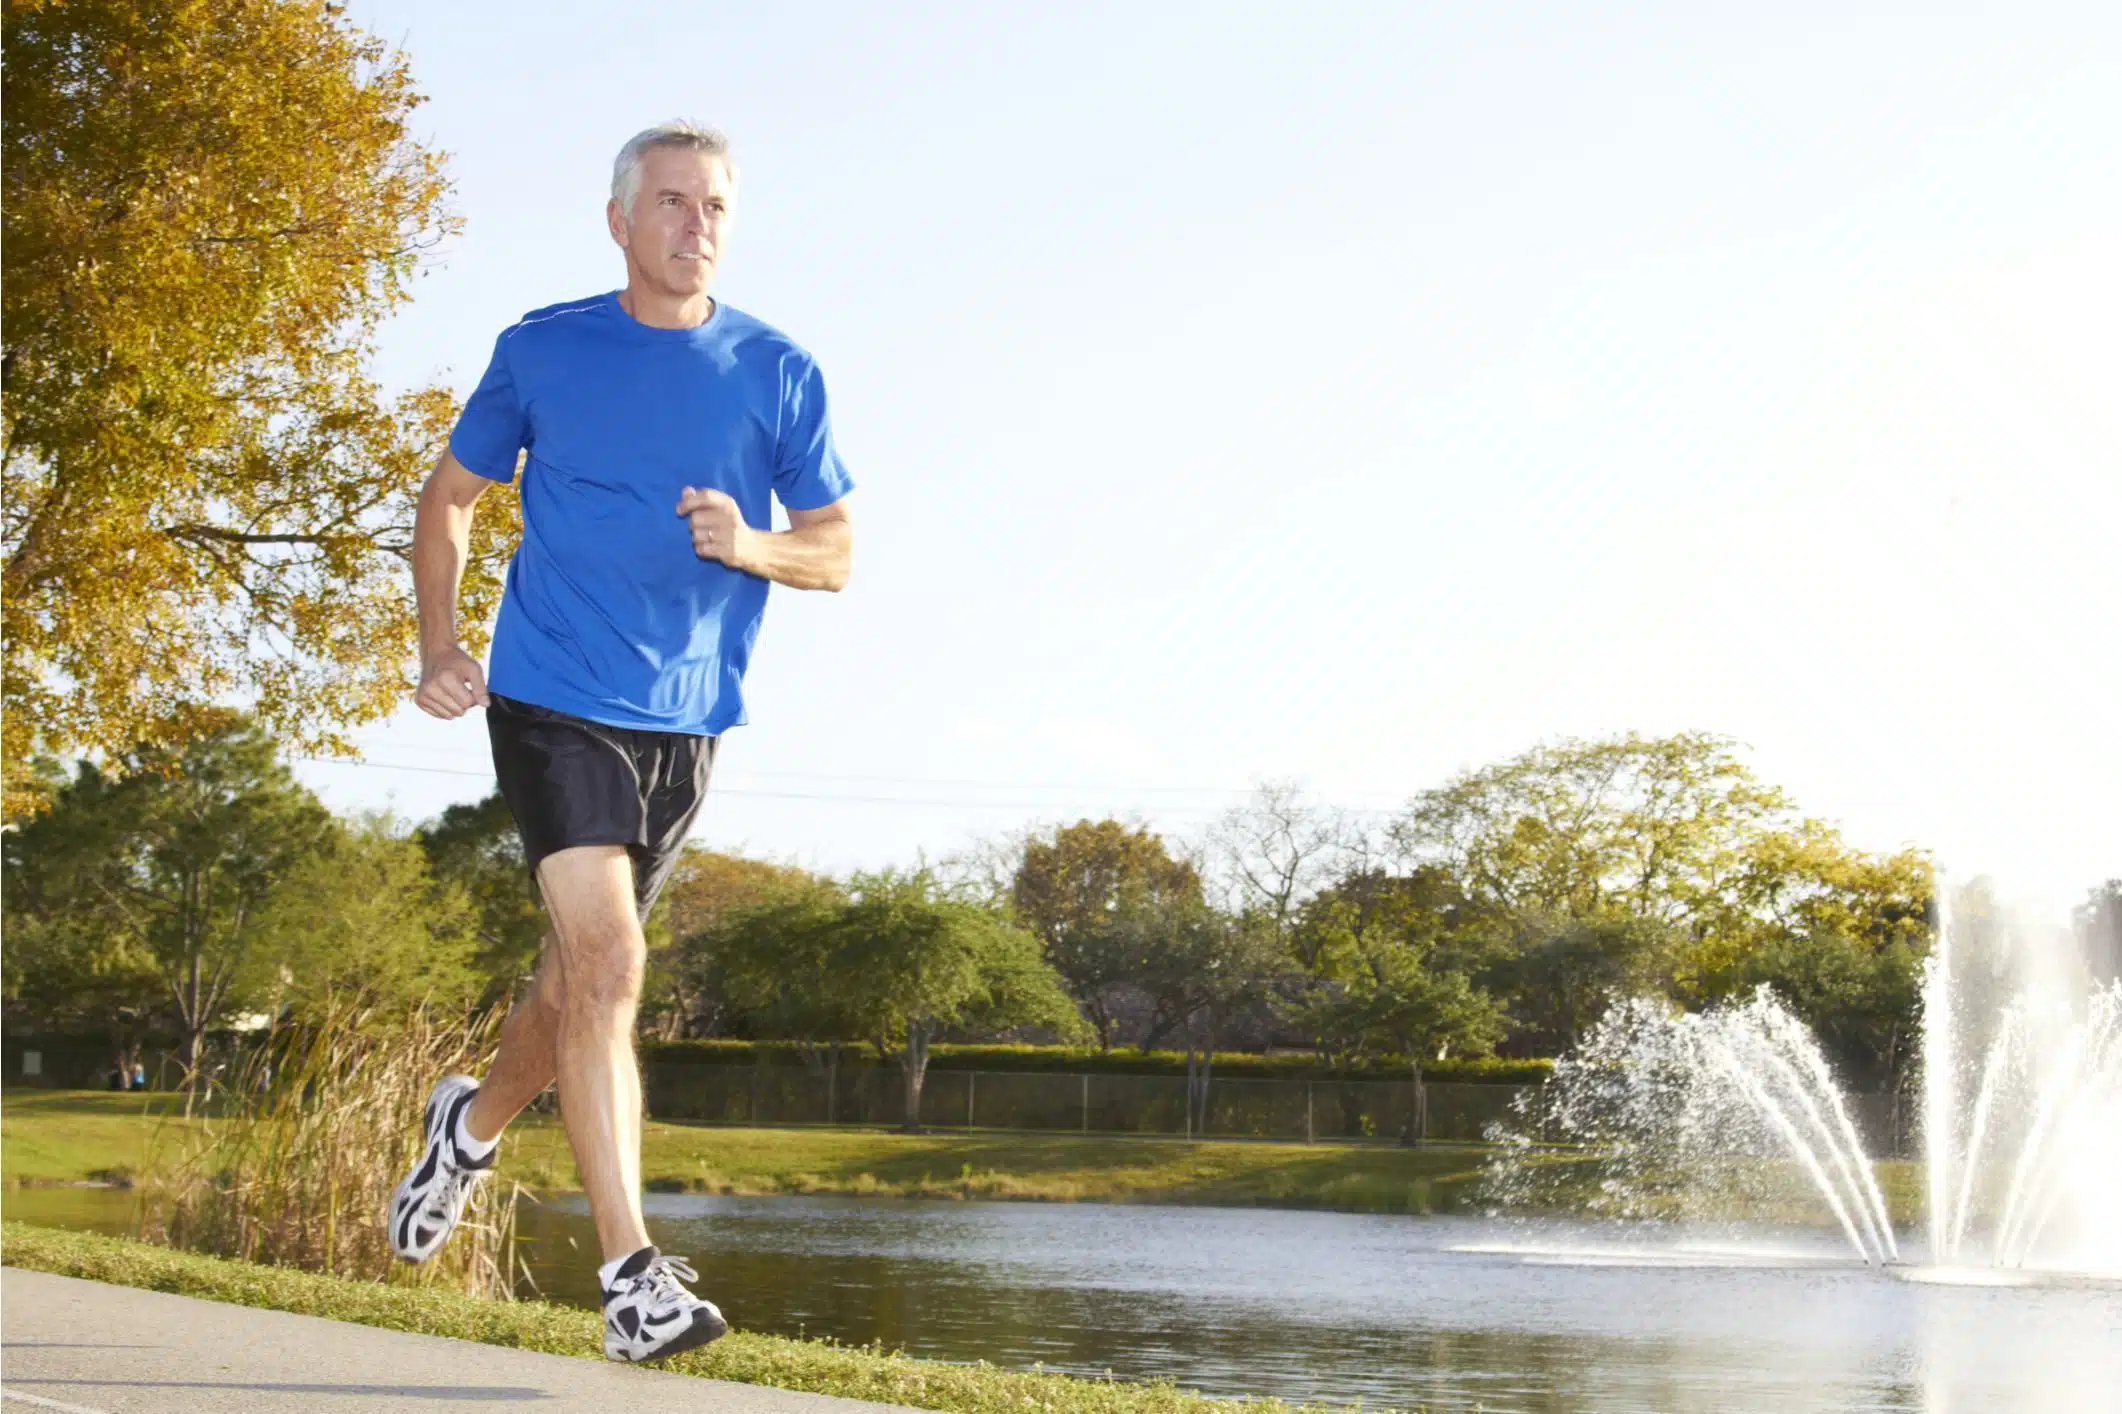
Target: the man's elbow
(843, 564)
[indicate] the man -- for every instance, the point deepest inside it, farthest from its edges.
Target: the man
(659, 425)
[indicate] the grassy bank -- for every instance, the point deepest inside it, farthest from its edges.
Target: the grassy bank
(72, 1136)
(60, 1136)
(57, 1136)
(813, 1366)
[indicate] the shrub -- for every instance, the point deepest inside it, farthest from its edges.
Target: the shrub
(306, 1136)
(1236, 1065)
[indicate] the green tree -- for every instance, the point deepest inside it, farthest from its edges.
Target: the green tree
(1386, 972)
(1084, 891)
(1644, 827)
(474, 847)
(904, 963)
(1204, 968)
(184, 852)
(365, 919)
(1840, 934)
(752, 937)
(70, 963)
(209, 208)
(1562, 973)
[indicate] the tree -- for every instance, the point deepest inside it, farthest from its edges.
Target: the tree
(904, 963)
(748, 935)
(1203, 967)
(1840, 934)
(183, 853)
(68, 964)
(1562, 973)
(1276, 850)
(1647, 827)
(985, 870)
(1387, 973)
(209, 207)
(475, 848)
(1083, 890)
(365, 918)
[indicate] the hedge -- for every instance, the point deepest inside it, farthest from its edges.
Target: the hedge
(1236, 1065)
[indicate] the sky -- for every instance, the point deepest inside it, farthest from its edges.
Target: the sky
(1360, 394)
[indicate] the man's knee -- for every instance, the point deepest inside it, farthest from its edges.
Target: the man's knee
(589, 891)
(604, 970)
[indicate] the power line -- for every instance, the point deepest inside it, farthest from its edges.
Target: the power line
(827, 797)
(912, 780)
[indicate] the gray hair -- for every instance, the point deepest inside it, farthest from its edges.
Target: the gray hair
(692, 137)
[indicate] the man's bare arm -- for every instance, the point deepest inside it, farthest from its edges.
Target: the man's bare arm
(450, 678)
(815, 552)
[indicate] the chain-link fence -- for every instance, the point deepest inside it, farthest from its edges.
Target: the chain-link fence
(1080, 1103)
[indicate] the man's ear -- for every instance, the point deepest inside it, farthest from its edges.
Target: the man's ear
(615, 221)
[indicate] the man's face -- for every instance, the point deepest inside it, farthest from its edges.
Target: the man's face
(675, 235)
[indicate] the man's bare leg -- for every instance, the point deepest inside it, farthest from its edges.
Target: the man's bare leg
(589, 892)
(527, 1060)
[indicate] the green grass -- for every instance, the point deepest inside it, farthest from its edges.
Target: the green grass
(61, 1136)
(71, 1136)
(1056, 1168)
(814, 1366)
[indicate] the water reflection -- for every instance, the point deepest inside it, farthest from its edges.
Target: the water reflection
(1453, 1313)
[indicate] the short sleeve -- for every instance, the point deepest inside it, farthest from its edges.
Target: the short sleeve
(492, 429)
(808, 473)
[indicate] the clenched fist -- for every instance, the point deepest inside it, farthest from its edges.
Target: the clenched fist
(451, 683)
(719, 531)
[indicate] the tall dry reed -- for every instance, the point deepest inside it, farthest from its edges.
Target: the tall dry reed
(307, 1134)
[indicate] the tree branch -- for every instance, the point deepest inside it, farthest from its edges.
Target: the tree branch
(241, 537)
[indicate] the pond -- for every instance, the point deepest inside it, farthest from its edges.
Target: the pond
(1452, 1312)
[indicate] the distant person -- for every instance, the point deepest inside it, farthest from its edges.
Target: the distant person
(661, 424)
(139, 1076)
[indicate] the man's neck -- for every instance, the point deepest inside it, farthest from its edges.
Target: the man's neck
(665, 311)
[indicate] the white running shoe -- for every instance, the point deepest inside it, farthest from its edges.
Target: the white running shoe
(427, 1205)
(648, 1314)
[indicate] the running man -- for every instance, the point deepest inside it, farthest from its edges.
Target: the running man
(659, 425)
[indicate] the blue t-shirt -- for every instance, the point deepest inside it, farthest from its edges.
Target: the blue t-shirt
(608, 613)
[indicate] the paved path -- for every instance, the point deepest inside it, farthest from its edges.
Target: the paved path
(85, 1347)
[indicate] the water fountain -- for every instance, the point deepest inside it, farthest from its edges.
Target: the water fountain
(1734, 1113)
(2022, 1102)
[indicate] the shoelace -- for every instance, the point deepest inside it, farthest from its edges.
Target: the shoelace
(661, 1278)
(442, 1198)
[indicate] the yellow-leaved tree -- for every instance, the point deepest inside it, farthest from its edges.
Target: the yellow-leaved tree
(210, 206)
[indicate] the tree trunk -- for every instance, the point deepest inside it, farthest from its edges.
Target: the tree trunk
(1189, 1087)
(1200, 1062)
(1208, 1066)
(1418, 1116)
(125, 1049)
(1101, 1019)
(913, 1068)
(189, 1053)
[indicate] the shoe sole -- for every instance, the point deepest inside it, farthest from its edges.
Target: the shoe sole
(699, 1333)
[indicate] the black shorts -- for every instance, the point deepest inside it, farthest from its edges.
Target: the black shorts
(571, 782)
